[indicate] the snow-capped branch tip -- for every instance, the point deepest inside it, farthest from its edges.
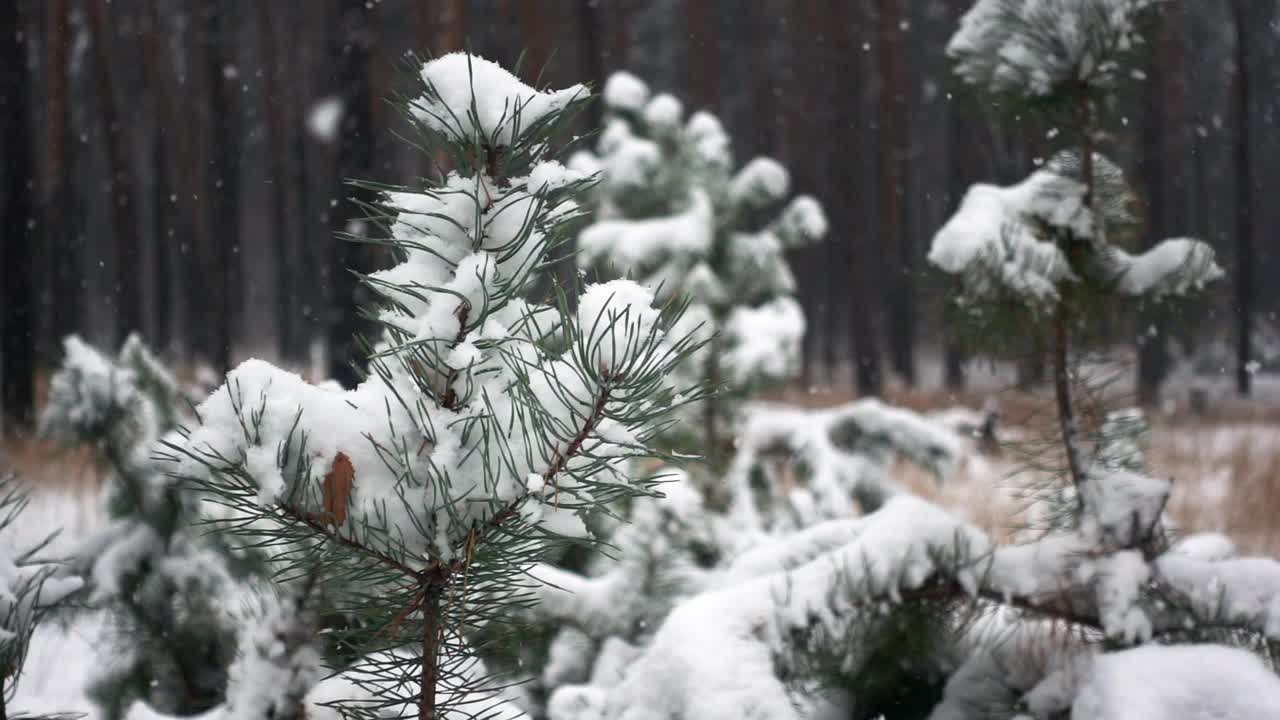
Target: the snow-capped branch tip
(1045, 47)
(467, 98)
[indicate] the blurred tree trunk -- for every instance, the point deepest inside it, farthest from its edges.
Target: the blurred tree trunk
(224, 192)
(59, 234)
(704, 92)
(122, 183)
(805, 114)
(847, 17)
(451, 34)
(896, 244)
(169, 304)
(17, 215)
(964, 164)
(589, 31)
(355, 152)
(278, 151)
(1157, 159)
(537, 47)
(306, 198)
(1244, 202)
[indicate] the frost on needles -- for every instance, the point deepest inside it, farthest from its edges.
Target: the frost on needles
(488, 425)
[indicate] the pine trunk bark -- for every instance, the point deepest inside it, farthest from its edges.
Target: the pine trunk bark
(431, 629)
(1063, 320)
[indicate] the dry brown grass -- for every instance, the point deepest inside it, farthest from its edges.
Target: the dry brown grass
(1226, 479)
(40, 462)
(1225, 463)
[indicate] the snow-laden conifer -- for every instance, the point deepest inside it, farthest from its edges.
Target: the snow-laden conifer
(488, 426)
(672, 212)
(162, 579)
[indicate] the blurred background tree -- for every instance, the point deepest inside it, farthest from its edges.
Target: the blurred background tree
(175, 168)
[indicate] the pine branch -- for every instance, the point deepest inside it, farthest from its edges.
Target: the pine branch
(297, 516)
(559, 462)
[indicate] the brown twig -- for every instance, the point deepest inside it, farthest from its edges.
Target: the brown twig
(335, 535)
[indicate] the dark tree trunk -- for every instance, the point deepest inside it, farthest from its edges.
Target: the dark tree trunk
(589, 30)
(122, 183)
(59, 234)
(1152, 344)
(896, 244)
(224, 190)
(17, 216)
(849, 18)
(452, 32)
(164, 190)
(537, 46)
(278, 171)
(704, 91)
(1244, 205)
(356, 42)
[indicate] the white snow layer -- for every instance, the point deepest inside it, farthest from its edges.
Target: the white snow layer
(504, 107)
(1174, 267)
(1178, 682)
(991, 241)
(995, 242)
(624, 91)
(714, 656)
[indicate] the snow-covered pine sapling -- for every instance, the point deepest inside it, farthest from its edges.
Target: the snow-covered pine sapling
(1046, 253)
(672, 213)
(162, 578)
(30, 586)
(488, 425)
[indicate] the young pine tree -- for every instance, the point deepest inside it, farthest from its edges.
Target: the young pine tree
(164, 581)
(1046, 256)
(489, 424)
(671, 211)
